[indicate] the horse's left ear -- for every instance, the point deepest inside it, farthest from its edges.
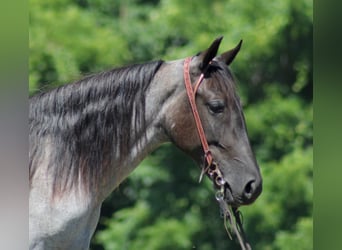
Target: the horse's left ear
(206, 56)
(229, 56)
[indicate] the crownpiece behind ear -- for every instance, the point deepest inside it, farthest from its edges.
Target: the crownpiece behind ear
(229, 56)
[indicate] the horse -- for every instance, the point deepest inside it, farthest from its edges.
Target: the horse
(86, 137)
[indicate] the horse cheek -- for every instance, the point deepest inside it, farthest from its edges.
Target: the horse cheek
(182, 130)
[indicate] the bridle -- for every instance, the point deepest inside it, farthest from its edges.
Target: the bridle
(210, 167)
(191, 92)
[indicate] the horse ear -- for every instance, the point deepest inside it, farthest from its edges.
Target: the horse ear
(206, 56)
(229, 56)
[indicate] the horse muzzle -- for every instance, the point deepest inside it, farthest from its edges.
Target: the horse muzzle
(248, 192)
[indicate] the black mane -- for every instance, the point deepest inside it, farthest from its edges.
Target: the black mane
(88, 123)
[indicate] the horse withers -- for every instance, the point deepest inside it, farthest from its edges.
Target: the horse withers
(88, 136)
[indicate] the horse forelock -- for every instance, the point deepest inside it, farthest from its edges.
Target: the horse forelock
(222, 80)
(88, 124)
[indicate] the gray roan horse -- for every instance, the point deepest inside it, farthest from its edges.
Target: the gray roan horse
(88, 136)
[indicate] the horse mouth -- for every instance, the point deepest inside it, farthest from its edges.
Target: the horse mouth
(224, 191)
(233, 200)
(230, 199)
(228, 196)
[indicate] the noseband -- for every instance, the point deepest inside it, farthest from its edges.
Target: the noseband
(210, 167)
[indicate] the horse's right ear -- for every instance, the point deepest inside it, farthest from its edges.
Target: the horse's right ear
(229, 56)
(206, 56)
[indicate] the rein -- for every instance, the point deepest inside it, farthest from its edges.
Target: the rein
(210, 168)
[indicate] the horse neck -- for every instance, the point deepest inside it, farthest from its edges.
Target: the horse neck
(97, 132)
(158, 99)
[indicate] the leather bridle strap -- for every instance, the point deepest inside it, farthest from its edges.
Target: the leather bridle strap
(191, 92)
(210, 167)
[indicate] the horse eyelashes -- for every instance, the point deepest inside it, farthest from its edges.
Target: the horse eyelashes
(216, 107)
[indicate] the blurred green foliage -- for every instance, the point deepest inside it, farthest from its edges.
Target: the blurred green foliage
(162, 205)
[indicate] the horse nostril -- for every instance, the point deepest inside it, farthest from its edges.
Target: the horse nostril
(249, 189)
(252, 190)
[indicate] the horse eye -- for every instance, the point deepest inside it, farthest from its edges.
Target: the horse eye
(216, 106)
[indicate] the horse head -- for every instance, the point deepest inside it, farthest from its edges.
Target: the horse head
(224, 127)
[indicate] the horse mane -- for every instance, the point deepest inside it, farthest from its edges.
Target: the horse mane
(89, 124)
